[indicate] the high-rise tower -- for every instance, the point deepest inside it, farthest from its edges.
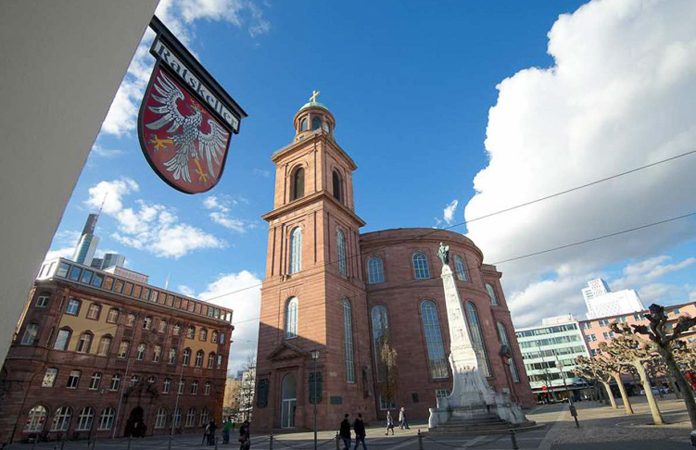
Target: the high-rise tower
(313, 297)
(87, 245)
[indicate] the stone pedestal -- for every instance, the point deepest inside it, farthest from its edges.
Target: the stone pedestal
(472, 404)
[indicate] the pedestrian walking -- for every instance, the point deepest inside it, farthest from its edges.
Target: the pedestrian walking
(344, 432)
(390, 424)
(403, 422)
(206, 430)
(244, 436)
(359, 428)
(211, 432)
(226, 428)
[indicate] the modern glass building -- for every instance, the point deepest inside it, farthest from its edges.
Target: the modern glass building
(549, 353)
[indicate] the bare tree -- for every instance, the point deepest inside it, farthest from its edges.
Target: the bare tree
(658, 333)
(388, 355)
(630, 350)
(592, 369)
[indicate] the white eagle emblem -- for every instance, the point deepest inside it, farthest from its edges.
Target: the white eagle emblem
(190, 142)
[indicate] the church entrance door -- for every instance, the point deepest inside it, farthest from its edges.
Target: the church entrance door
(289, 401)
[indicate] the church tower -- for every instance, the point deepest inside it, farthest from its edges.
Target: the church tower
(314, 345)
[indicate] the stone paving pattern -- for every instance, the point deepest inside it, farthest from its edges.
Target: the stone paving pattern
(601, 428)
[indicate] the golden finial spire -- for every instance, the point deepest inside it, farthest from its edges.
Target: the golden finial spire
(313, 97)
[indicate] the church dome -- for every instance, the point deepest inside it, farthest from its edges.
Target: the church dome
(313, 117)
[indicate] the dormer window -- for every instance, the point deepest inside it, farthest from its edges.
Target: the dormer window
(316, 123)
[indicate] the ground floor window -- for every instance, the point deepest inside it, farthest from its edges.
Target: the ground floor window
(106, 421)
(35, 419)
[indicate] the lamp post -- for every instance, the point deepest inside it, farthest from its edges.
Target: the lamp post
(315, 358)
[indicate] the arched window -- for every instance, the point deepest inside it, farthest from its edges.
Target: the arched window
(61, 419)
(211, 360)
(62, 339)
(502, 333)
(477, 338)
(214, 337)
(380, 336)
(375, 270)
(337, 186)
(112, 317)
(162, 326)
(30, 333)
(316, 123)
(420, 266)
(433, 340)
(341, 249)
(491, 294)
(190, 417)
(203, 336)
(348, 341)
(85, 419)
(296, 250)
(84, 343)
(104, 345)
(297, 188)
(106, 420)
(291, 318)
(94, 311)
(303, 124)
(36, 419)
(199, 358)
(460, 268)
(187, 357)
(160, 419)
(191, 332)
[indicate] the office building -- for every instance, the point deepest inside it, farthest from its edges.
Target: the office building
(602, 302)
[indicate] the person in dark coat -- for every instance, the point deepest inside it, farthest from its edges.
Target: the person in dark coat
(345, 432)
(359, 428)
(244, 436)
(211, 432)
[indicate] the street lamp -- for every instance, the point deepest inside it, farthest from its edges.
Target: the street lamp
(315, 358)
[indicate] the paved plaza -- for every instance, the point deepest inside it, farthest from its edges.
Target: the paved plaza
(601, 427)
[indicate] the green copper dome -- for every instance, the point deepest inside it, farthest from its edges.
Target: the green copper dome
(313, 105)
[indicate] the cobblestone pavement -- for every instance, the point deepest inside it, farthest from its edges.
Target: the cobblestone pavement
(601, 428)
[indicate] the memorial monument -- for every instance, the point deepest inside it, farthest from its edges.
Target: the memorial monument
(472, 404)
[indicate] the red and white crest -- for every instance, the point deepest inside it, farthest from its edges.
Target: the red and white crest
(185, 144)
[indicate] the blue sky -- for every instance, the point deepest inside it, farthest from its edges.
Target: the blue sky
(412, 89)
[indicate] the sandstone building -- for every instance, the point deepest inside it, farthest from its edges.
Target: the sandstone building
(99, 355)
(369, 306)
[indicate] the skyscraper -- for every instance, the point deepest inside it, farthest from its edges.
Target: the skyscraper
(86, 246)
(602, 302)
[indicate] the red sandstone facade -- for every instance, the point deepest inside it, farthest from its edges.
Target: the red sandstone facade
(324, 291)
(59, 378)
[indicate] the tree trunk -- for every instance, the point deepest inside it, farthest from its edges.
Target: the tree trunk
(609, 394)
(681, 382)
(622, 390)
(673, 386)
(645, 381)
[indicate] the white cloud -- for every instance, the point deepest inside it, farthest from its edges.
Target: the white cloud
(65, 252)
(111, 193)
(448, 212)
(620, 95)
(179, 16)
(240, 292)
(151, 227)
(186, 290)
(648, 270)
(221, 213)
(108, 153)
(261, 172)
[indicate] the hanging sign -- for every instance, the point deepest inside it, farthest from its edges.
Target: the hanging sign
(186, 118)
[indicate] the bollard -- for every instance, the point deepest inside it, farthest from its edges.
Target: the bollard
(513, 438)
(574, 413)
(337, 438)
(420, 440)
(270, 442)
